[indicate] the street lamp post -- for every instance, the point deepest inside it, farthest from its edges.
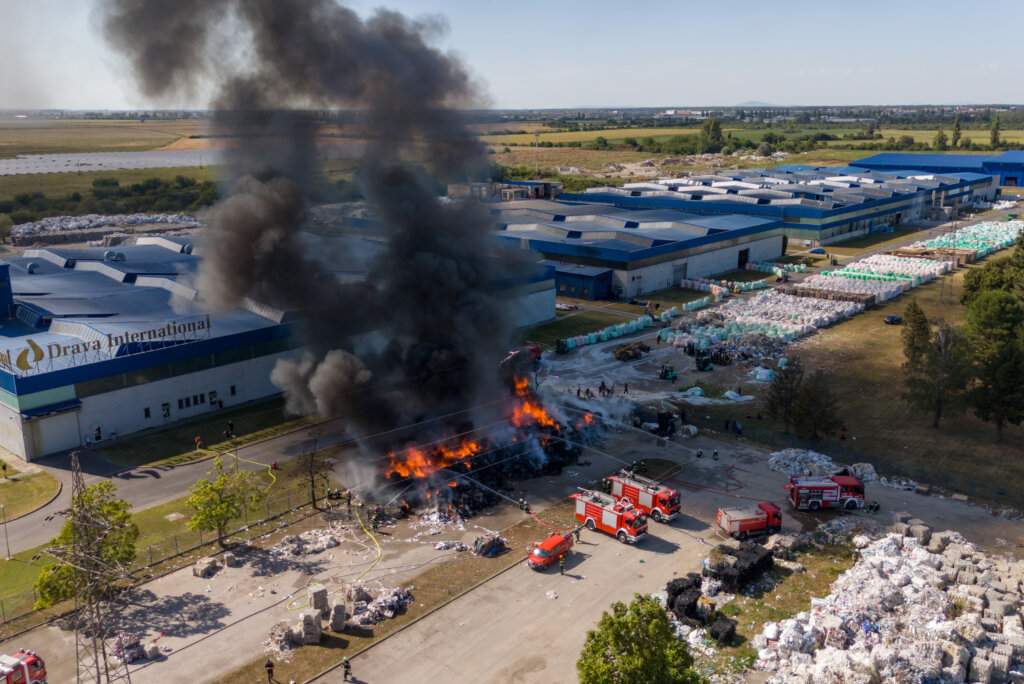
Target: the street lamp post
(3, 510)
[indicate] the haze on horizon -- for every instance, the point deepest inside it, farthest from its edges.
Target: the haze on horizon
(609, 54)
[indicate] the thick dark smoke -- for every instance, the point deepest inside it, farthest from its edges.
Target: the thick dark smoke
(422, 336)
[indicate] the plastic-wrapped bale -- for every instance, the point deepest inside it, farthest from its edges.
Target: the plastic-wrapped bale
(723, 629)
(318, 598)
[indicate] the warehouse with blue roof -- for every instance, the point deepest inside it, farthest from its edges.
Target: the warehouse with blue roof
(98, 343)
(819, 205)
(1008, 166)
(602, 250)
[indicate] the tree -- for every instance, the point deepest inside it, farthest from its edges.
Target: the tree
(999, 395)
(941, 141)
(783, 392)
(601, 143)
(993, 321)
(764, 150)
(635, 643)
(215, 503)
(994, 134)
(937, 381)
(916, 335)
(712, 130)
(815, 412)
(905, 142)
(57, 582)
(5, 227)
(996, 274)
(955, 140)
(314, 468)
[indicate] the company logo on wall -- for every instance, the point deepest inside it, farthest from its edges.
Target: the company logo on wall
(30, 357)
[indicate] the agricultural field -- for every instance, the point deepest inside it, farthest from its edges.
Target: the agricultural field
(51, 137)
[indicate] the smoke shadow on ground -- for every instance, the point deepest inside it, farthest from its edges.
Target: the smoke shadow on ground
(179, 616)
(687, 523)
(658, 545)
(262, 564)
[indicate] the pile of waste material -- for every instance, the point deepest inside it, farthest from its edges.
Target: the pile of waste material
(126, 648)
(57, 224)
(803, 462)
(281, 641)
(449, 545)
(928, 607)
(435, 521)
(310, 541)
(736, 565)
(387, 604)
(882, 290)
(489, 545)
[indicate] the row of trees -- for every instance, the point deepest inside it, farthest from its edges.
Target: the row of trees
(108, 196)
(979, 364)
(803, 401)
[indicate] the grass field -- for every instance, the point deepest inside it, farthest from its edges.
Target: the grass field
(55, 136)
(570, 324)
(866, 243)
(175, 445)
(21, 494)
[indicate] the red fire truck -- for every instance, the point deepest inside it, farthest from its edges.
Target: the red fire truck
(546, 553)
(838, 491)
(24, 667)
(654, 499)
(599, 511)
(741, 523)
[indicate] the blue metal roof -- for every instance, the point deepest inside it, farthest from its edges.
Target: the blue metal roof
(900, 160)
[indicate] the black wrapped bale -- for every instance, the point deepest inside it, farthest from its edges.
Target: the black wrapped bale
(684, 607)
(751, 561)
(722, 629)
(677, 586)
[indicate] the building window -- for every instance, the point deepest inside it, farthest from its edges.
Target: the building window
(165, 409)
(233, 391)
(181, 404)
(145, 412)
(188, 402)
(195, 399)
(202, 398)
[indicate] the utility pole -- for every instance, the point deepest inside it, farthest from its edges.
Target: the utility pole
(94, 581)
(3, 509)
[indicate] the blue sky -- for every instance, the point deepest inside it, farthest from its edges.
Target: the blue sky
(619, 54)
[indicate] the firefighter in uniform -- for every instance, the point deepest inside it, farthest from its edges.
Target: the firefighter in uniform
(270, 670)
(561, 564)
(714, 455)
(348, 668)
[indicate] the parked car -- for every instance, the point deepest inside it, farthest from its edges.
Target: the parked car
(892, 319)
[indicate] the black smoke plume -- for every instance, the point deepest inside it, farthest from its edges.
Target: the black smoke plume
(423, 335)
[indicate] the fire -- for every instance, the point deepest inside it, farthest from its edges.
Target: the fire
(529, 411)
(420, 462)
(453, 483)
(587, 419)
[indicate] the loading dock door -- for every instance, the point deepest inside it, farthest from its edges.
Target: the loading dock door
(56, 432)
(744, 257)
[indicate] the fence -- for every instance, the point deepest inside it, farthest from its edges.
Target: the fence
(884, 466)
(172, 546)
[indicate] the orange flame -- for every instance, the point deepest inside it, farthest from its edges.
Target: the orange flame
(529, 412)
(453, 483)
(428, 495)
(418, 462)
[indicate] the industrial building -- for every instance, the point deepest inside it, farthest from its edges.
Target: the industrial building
(601, 250)
(99, 343)
(1008, 166)
(818, 205)
(96, 344)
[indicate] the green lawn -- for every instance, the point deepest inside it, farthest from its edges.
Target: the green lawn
(176, 445)
(571, 324)
(21, 494)
(866, 243)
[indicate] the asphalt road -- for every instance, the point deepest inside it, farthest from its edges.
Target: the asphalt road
(145, 487)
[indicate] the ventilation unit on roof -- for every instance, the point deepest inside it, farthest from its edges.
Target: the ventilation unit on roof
(32, 267)
(188, 248)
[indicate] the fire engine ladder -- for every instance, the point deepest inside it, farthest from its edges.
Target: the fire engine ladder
(645, 481)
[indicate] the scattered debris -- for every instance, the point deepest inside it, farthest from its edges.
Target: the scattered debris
(450, 544)
(205, 567)
(387, 604)
(489, 545)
